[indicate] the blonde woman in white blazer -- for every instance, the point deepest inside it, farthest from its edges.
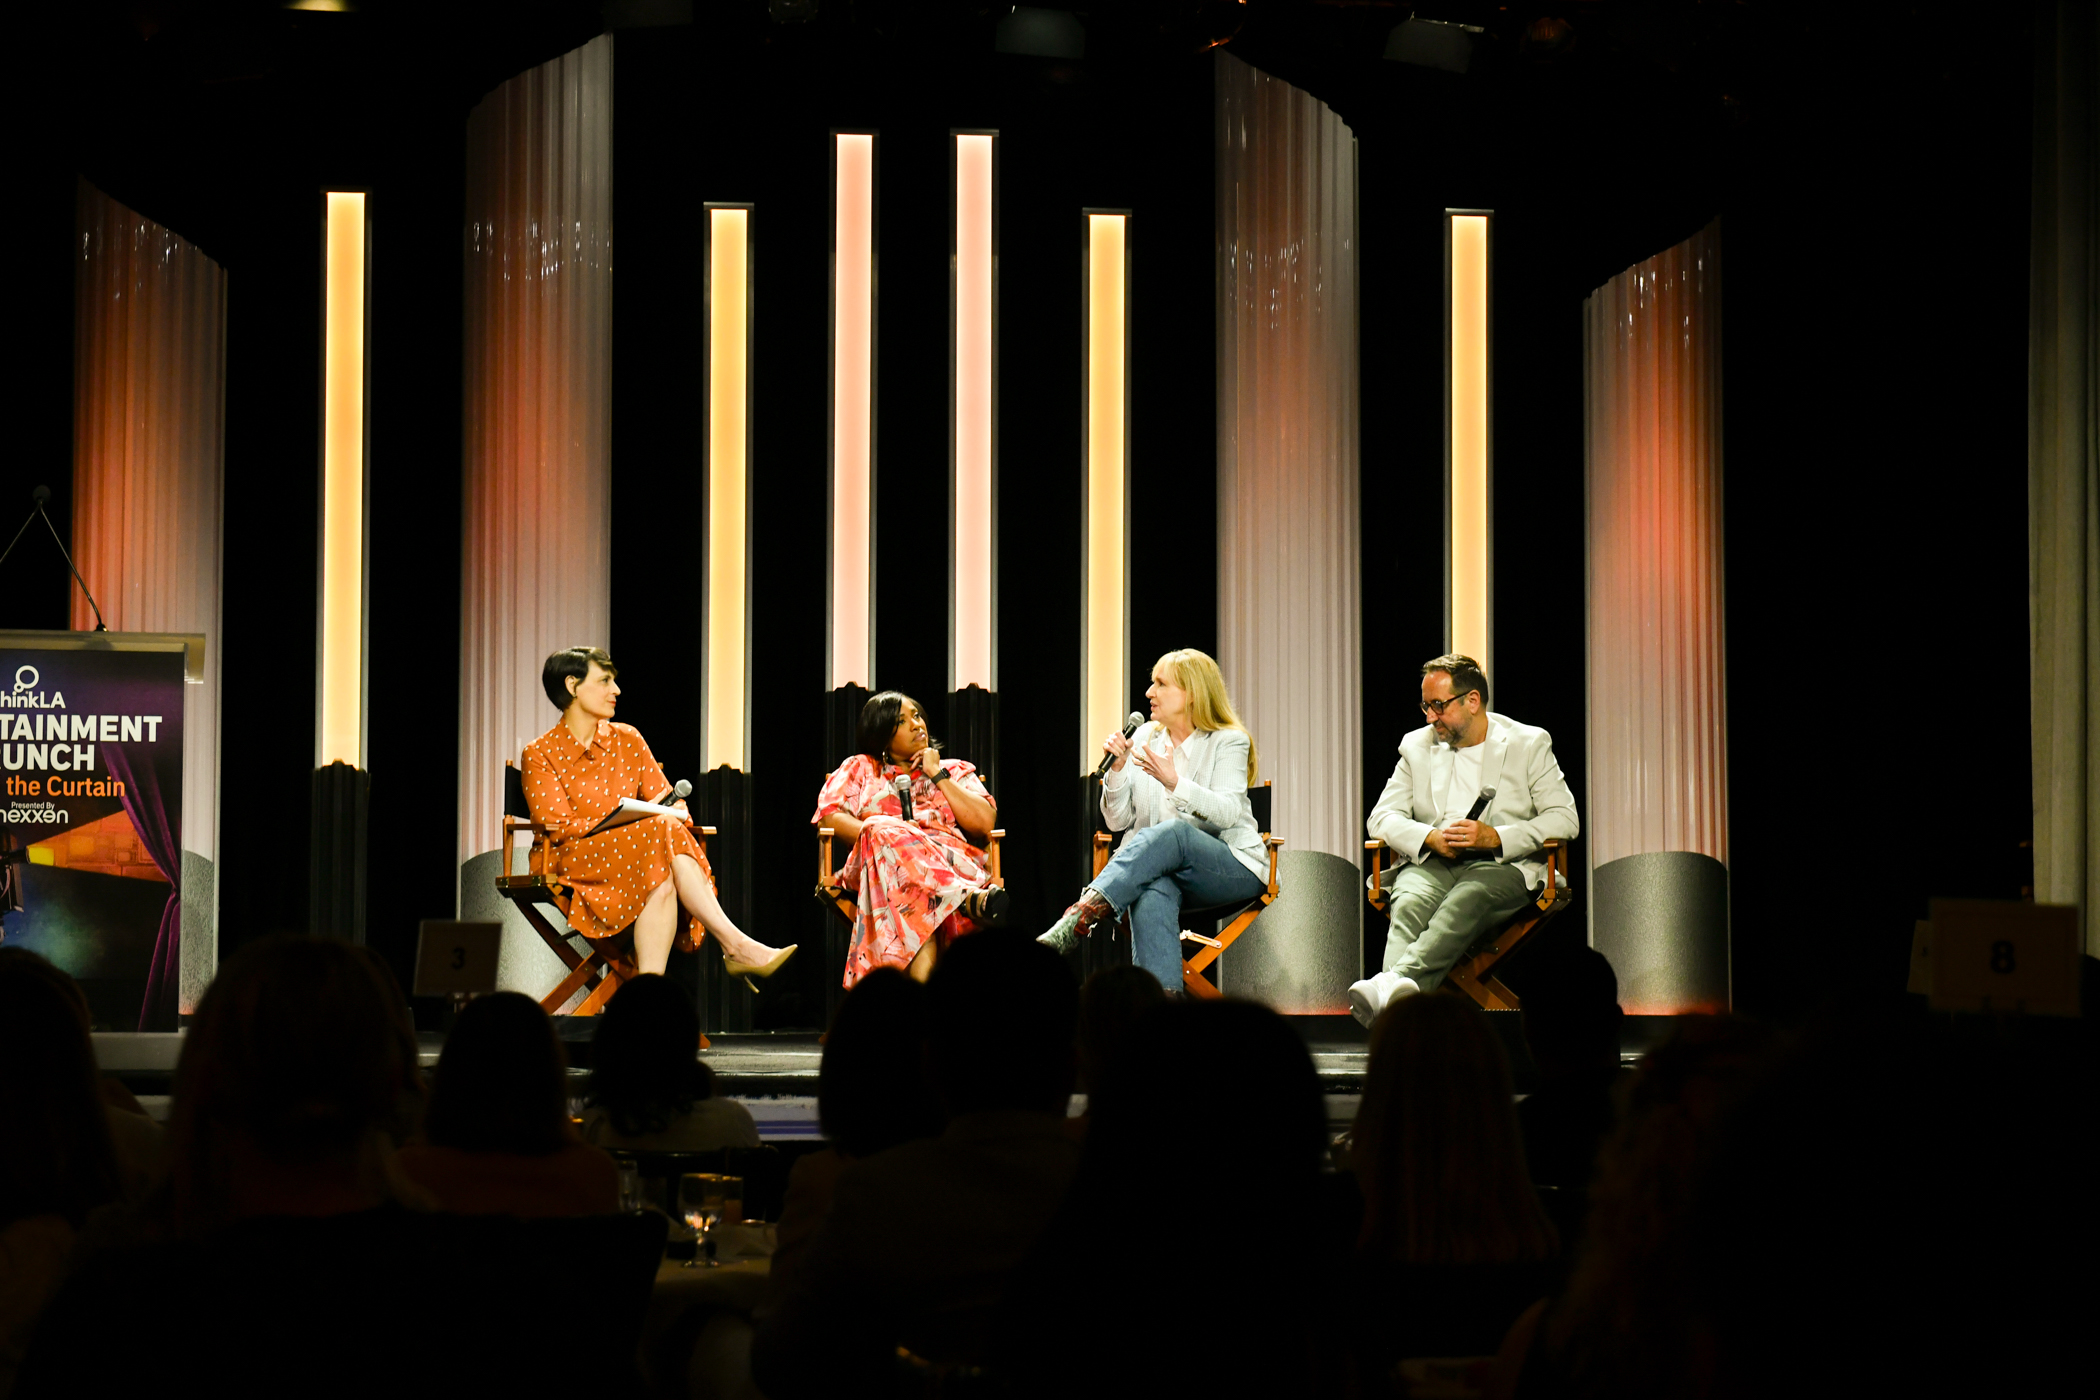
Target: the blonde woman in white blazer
(1178, 785)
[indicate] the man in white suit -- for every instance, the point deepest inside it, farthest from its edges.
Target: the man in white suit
(1457, 877)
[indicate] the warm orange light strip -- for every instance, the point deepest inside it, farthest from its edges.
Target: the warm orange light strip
(728, 446)
(852, 411)
(1469, 550)
(973, 412)
(1105, 684)
(342, 687)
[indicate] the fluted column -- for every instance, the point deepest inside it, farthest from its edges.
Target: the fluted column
(536, 549)
(148, 450)
(1656, 819)
(1289, 590)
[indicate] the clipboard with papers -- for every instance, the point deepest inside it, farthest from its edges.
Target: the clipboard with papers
(634, 810)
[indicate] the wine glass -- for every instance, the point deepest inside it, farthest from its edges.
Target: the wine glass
(704, 1199)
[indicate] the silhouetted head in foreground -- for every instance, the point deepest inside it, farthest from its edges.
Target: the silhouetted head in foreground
(300, 1055)
(872, 1090)
(1003, 1008)
(56, 1156)
(502, 1081)
(1571, 1012)
(645, 1065)
(1436, 1148)
(1111, 1004)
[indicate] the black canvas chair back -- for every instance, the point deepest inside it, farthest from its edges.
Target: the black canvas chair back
(514, 803)
(1258, 799)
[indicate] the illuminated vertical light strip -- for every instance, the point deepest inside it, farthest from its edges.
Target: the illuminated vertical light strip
(973, 348)
(1105, 576)
(727, 689)
(1469, 591)
(852, 633)
(342, 662)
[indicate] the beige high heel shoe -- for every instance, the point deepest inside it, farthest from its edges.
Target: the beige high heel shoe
(747, 971)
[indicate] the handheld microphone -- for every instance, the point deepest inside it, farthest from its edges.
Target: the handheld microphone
(680, 790)
(1480, 804)
(903, 786)
(1130, 727)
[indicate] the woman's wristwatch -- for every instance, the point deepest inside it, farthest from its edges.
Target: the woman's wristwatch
(938, 776)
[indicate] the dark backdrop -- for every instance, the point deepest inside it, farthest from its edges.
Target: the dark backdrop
(697, 122)
(1872, 181)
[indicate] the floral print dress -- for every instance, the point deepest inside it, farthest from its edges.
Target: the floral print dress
(910, 877)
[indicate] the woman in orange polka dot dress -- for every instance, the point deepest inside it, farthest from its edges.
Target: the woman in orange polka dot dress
(650, 873)
(917, 882)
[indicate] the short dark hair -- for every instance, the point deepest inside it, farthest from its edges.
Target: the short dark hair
(1464, 671)
(502, 1081)
(878, 721)
(572, 661)
(645, 1066)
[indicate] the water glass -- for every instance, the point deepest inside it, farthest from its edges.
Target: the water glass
(704, 1200)
(630, 1184)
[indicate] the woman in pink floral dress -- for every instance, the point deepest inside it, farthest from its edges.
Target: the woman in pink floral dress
(919, 882)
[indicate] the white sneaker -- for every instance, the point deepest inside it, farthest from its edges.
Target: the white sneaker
(1374, 994)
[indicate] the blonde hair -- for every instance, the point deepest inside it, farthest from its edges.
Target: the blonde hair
(1209, 706)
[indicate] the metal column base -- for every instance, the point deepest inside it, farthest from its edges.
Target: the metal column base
(1662, 920)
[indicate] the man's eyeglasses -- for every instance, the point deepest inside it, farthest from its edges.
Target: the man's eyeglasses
(1435, 708)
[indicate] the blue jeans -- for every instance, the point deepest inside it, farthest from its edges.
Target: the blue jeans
(1152, 872)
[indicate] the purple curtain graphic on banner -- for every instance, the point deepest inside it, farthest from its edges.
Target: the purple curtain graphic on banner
(91, 817)
(156, 829)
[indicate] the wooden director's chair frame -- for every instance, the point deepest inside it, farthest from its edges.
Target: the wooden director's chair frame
(1474, 974)
(1242, 916)
(606, 963)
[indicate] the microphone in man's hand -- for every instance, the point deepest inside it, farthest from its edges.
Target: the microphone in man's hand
(1480, 804)
(680, 790)
(1130, 727)
(903, 786)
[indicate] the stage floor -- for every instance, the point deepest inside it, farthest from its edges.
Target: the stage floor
(775, 1074)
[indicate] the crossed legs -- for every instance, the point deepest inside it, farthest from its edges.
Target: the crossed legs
(1159, 869)
(657, 925)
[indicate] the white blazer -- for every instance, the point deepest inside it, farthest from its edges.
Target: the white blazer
(1210, 796)
(1532, 803)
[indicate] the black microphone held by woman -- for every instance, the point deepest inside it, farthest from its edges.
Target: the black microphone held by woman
(1130, 727)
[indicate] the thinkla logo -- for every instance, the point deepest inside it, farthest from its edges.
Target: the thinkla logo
(26, 696)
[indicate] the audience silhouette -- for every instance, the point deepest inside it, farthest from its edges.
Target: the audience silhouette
(1111, 1003)
(496, 1137)
(58, 1159)
(1453, 1244)
(1835, 1211)
(921, 1238)
(294, 1265)
(648, 1092)
(1623, 1326)
(872, 1094)
(1191, 1203)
